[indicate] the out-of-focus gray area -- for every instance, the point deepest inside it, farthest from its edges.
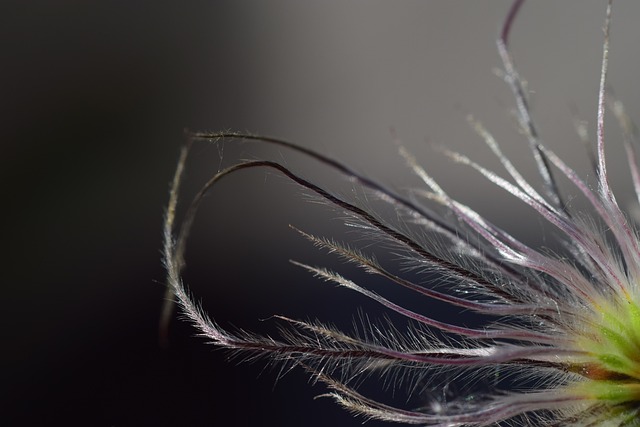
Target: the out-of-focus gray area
(94, 100)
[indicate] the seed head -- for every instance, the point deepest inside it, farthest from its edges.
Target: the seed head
(563, 339)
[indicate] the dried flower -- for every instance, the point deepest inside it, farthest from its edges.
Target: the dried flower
(564, 333)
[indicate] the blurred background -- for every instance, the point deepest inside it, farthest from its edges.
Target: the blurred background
(95, 100)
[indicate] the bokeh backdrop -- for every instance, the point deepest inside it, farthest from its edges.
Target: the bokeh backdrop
(95, 99)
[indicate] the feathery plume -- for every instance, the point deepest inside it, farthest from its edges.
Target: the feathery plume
(562, 332)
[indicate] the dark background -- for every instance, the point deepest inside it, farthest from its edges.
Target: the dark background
(94, 99)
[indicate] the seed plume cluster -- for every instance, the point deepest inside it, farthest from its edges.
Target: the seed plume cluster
(562, 332)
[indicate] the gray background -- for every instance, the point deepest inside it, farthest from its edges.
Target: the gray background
(94, 100)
